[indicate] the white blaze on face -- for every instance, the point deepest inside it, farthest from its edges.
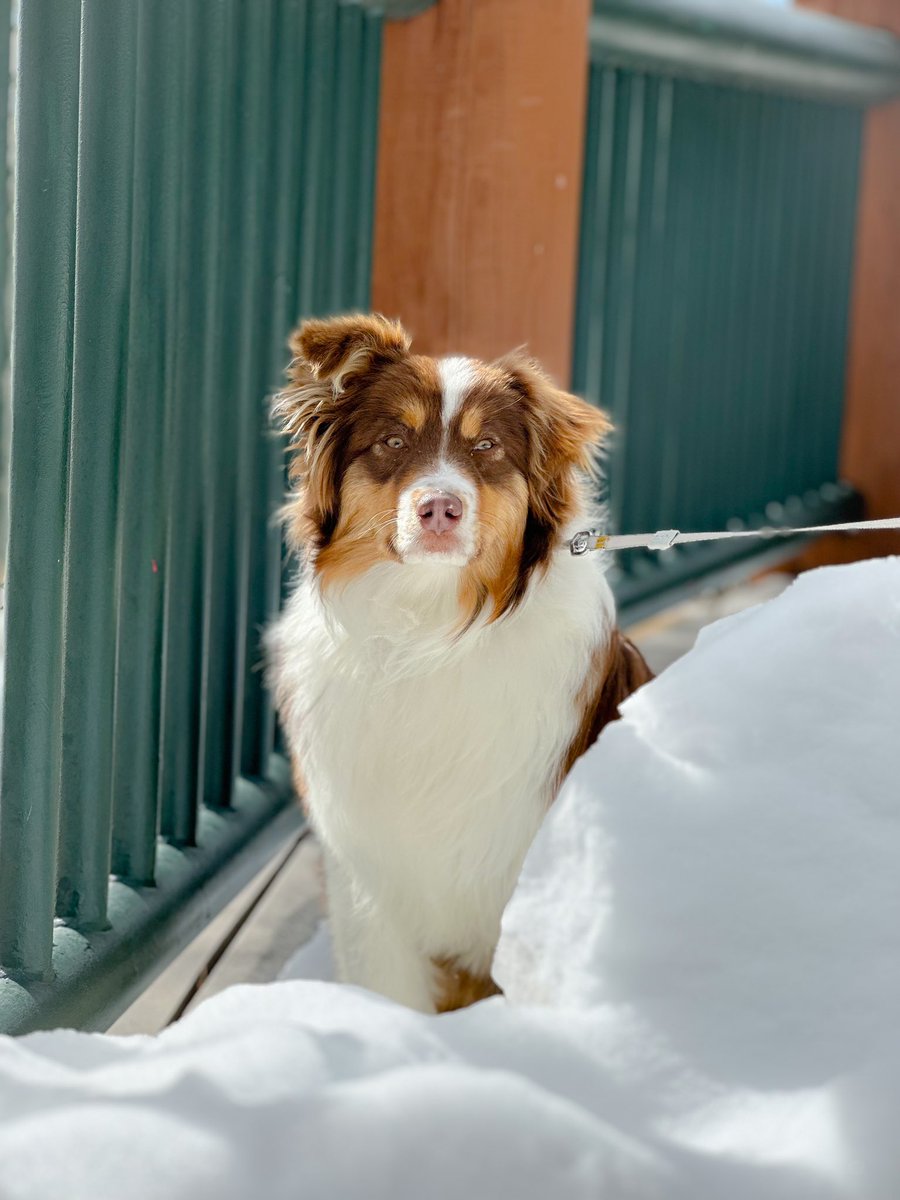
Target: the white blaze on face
(457, 375)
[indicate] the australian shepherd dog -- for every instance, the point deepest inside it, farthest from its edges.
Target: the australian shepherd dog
(443, 659)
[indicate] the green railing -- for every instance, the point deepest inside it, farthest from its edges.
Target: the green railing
(719, 209)
(190, 176)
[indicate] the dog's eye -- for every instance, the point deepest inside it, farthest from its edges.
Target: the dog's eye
(485, 444)
(394, 442)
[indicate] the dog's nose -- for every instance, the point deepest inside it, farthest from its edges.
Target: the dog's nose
(440, 512)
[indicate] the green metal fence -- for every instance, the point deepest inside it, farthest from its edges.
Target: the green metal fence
(718, 220)
(190, 176)
(193, 175)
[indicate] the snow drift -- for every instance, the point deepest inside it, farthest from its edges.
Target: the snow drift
(701, 966)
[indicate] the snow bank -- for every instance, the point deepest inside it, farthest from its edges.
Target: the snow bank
(702, 968)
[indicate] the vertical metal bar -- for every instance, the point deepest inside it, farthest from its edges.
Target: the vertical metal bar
(819, 299)
(700, 178)
(610, 263)
(225, 226)
(772, 396)
(312, 268)
(625, 315)
(154, 251)
(183, 620)
(807, 349)
(316, 232)
(264, 555)
(331, 23)
(663, 241)
(795, 167)
(645, 384)
(599, 214)
(736, 343)
(361, 265)
(840, 146)
(687, 156)
(339, 250)
(43, 272)
(5, 50)
(265, 65)
(102, 266)
(710, 407)
(754, 307)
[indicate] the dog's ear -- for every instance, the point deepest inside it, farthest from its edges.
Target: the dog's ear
(337, 348)
(312, 409)
(564, 437)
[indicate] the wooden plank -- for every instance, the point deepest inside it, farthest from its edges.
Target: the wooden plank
(161, 1002)
(286, 918)
(870, 450)
(479, 176)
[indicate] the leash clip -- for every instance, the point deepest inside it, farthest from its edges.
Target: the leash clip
(580, 543)
(586, 539)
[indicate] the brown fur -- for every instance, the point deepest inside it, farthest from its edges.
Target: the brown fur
(617, 670)
(355, 547)
(354, 383)
(493, 575)
(364, 417)
(471, 420)
(327, 346)
(457, 987)
(414, 415)
(564, 433)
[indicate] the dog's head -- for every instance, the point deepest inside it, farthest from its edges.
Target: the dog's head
(413, 460)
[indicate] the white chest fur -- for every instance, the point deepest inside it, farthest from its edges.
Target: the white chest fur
(429, 760)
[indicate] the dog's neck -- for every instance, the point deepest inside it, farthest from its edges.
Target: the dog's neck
(400, 619)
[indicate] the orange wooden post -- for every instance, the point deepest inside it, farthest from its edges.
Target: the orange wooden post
(479, 176)
(870, 451)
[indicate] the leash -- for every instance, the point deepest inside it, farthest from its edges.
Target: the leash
(593, 539)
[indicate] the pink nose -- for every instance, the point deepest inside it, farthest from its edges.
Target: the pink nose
(440, 513)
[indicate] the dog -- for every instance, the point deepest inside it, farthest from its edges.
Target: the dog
(443, 659)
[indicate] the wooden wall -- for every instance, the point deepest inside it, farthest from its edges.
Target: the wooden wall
(479, 176)
(870, 453)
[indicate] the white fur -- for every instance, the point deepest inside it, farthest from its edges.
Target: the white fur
(457, 375)
(353, 362)
(429, 758)
(443, 477)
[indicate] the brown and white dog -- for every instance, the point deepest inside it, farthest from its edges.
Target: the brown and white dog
(443, 659)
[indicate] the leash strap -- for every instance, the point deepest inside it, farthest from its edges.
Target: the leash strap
(593, 539)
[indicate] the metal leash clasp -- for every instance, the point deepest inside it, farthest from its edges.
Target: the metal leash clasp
(586, 539)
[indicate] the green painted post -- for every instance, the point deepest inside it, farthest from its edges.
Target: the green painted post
(839, 193)
(218, 160)
(271, 56)
(367, 117)
(340, 240)
(154, 252)
(312, 266)
(41, 363)
(721, 163)
(262, 540)
(102, 269)
(5, 18)
(223, 227)
(203, 32)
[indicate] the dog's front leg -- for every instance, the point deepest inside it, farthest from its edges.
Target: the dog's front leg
(370, 951)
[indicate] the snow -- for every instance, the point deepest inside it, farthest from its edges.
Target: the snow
(701, 966)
